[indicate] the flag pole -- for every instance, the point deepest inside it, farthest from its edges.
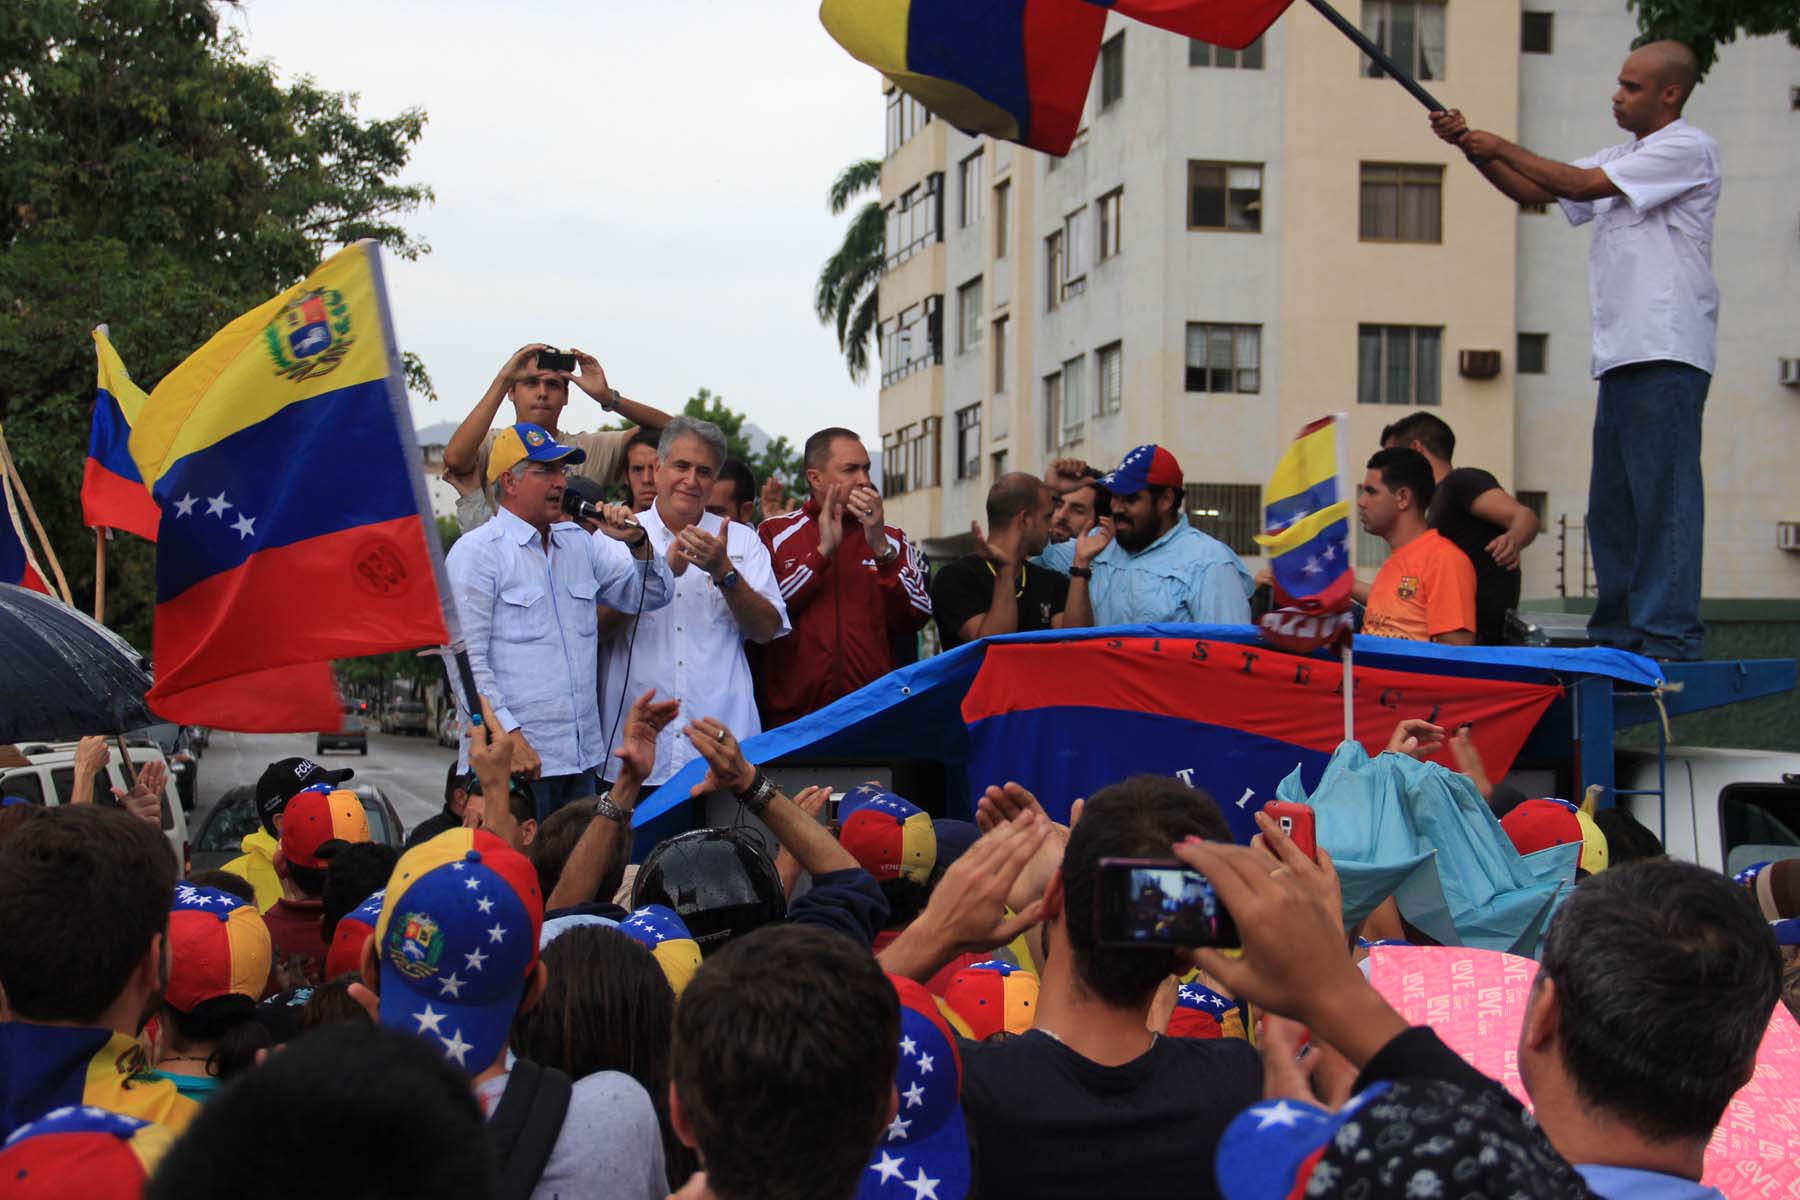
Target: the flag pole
(18, 485)
(100, 574)
(1347, 655)
(1380, 56)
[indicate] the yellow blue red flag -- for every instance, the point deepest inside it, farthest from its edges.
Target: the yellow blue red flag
(1306, 518)
(113, 494)
(294, 519)
(1017, 69)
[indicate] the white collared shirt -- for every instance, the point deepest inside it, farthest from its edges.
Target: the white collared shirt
(529, 619)
(1650, 280)
(691, 651)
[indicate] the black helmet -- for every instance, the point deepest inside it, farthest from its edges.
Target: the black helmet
(721, 882)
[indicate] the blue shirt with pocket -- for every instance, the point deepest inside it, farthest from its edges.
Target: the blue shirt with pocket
(1184, 576)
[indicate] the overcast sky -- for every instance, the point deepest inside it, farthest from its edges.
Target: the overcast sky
(644, 181)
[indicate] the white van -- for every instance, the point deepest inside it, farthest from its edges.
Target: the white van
(1724, 809)
(44, 773)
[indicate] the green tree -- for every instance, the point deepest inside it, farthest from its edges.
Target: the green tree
(154, 177)
(847, 295)
(1708, 24)
(779, 457)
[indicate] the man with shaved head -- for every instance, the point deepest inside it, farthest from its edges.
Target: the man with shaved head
(994, 590)
(1656, 315)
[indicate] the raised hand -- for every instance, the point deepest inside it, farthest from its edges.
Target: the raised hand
(144, 800)
(703, 550)
(727, 768)
(831, 520)
(1416, 738)
(1449, 125)
(1091, 544)
(967, 909)
(589, 378)
(774, 498)
(643, 725)
(491, 750)
(864, 503)
(521, 366)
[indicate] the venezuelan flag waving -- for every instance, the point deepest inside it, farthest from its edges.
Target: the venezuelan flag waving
(16, 563)
(1307, 516)
(282, 458)
(113, 494)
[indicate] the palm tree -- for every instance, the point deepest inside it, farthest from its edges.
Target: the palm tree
(850, 280)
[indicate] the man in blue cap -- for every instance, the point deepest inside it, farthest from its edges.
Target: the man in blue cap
(526, 584)
(1159, 568)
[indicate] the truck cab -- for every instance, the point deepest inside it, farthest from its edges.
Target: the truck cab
(1724, 809)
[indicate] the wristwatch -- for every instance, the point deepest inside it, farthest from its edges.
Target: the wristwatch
(893, 552)
(1081, 572)
(727, 581)
(604, 807)
(756, 797)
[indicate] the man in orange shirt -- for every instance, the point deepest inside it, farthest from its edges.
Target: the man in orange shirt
(1425, 592)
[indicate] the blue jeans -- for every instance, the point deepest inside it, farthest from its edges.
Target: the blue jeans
(1647, 509)
(556, 791)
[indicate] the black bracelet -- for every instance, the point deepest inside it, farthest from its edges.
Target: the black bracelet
(1081, 572)
(756, 797)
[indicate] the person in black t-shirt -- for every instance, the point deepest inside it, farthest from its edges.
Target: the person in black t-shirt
(1474, 511)
(995, 590)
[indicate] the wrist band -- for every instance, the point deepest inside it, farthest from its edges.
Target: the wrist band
(604, 807)
(756, 797)
(1081, 572)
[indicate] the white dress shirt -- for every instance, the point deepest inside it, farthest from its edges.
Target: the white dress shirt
(529, 619)
(1650, 280)
(691, 651)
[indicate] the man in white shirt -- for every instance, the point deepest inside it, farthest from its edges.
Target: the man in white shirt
(527, 584)
(1656, 317)
(725, 591)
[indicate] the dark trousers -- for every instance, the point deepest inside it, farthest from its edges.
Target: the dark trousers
(556, 791)
(1647, 509)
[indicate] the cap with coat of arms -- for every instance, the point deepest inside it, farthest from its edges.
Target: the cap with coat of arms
(218, 946)
(517, 443)
(457, 938)
(317, 815)
(81, 1150)
(890, 837)
(1147, 466)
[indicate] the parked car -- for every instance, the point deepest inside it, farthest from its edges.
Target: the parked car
(449, 731)
(353, 734)
(44, 773)
(406, 716)
(184, 764)
(228, 822)
(1724, 809)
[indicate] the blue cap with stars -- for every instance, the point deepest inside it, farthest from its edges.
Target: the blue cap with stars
(1146, 466)
(457, 939)
(659, 930)
(925, 1151)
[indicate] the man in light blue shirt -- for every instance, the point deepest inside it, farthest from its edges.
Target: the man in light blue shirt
(1159, 568)
(526, 586)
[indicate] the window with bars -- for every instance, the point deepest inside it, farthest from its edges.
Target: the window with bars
(911, 339)
(1534, 354)
(1112, 71)
(1402, 202)
(1398, 364)
(968, 178)
(1537, 32)
(968, 442)
(915, 220)
(1074, 399)
(1205, 54)
(1225, 196)
(1110, 208)
(905, 117)
(1224, 358)
(1231, 512)
(968, 316)
(1109, 362)
(895, 449)
(923, 449)
(1410, 31)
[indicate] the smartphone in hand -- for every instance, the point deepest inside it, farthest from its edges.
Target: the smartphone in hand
(555, 360)
(1296, 820)
(1159, 904)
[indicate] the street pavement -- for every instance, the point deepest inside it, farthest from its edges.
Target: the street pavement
(409, 769)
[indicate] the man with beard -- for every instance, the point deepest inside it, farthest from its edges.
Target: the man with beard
(1159, 568)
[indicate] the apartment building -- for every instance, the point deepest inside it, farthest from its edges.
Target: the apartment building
(1240, 242)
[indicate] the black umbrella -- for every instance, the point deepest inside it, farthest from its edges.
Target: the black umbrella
(65, 675)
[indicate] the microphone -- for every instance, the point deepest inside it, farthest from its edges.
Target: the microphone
(581, 509)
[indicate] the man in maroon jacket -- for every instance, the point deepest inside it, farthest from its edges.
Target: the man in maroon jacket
(849, 580)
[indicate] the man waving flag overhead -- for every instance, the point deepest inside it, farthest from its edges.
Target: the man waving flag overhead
(294, 521)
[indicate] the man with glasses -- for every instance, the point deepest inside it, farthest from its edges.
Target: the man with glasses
(527, 584)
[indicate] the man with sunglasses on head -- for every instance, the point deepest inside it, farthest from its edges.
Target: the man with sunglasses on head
(527, 584)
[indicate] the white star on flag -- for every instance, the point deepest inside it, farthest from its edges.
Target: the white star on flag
(890, 1168)
(896, 1130)
(428, 1020)
(908, 1047)
(924, 1064)
(1312, 566)
(455, 1048)
(473, 959)
(184, 507)
(452, 986)
(497, 933)
(472, 883)
(216, 506)
(458, 866)
(484, 905)
(1280, 1113)
(922, 1187)
(915, 1096)
(1331, 552)
(244, 525)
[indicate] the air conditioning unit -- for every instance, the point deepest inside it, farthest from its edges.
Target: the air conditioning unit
(1790, 372)
(1478, 364)
(1787, 535)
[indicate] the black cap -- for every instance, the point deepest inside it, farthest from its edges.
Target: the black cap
(720, 882)
(281, 780)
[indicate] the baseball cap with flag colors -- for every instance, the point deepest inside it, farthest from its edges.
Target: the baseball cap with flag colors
(317, 815)
(1201, 1012)
(218, 946)
(457, 937)
(925, 1150)
(352, 932)
(1147, 466)
(890, 837)
(1540, 824)
(81, 1150)
(517, 443)
(993, 997)
(666, 936)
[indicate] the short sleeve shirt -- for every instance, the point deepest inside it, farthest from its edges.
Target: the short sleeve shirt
(965, 588)
(1452, 514)
(605, 451)
(1426, 588)
(1650, 280)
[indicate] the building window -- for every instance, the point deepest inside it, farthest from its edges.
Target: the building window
(1052, 411)
(915, 220)
(895, 447)
(1205, 54)
(1398, 364)
(1224, 358)
(1537, 502)
(1225, 196)
(1231, 512)
(1002, 217)
(999, 356)
(1402, 202)
(968, 442)
(912, 338)
(1410, 31)
(1000, 419)
(998, 460)
(1074, 399)
(968, 316)
(1109, 362)
(1537, 32)
(1075, 252)
(1534, 353)
(922, 453)
(905, 117)
(1111, 206)
(1112, 71)
(968, 175)
(1053, 271)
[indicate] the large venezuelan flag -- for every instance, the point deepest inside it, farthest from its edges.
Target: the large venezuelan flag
(292, 531)
(1307, 517)
(1017, 69)
(113, 494)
